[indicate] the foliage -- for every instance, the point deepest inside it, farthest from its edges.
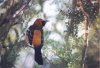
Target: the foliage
(68, 50)
(71, 10)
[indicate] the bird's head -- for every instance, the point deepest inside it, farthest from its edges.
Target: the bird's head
(40, 22)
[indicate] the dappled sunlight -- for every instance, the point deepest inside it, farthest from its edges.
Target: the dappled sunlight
(60, 26)
(56, 37)
(69, 35)
(50, 9)
(25, 58)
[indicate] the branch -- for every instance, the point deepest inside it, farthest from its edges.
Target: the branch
(21, 9)
(8, 18)
(87, 22)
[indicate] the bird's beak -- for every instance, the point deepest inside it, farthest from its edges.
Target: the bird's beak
(44, 22)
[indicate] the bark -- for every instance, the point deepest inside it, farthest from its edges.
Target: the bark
(87, 17)
(6, 20)
(9, 15)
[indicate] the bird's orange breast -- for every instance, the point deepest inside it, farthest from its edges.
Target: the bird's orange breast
(36, 41)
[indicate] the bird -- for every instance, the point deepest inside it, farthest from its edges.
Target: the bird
(36, 38)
